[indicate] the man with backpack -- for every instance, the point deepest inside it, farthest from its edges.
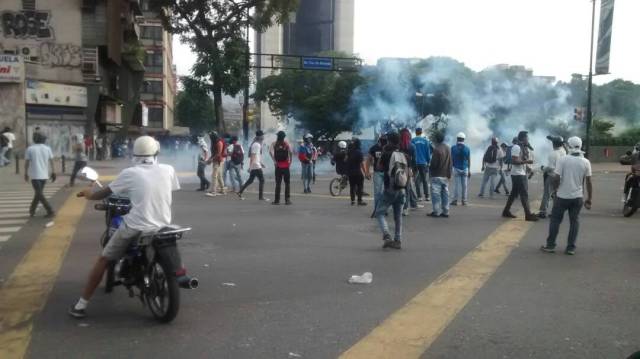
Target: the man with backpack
(520, 187)
(255, 166)
(305, 155)
(461, 159)
(281, 155)
(548, 171)
(396, 177)
(490, 166)
(236, 161)
(423, 157)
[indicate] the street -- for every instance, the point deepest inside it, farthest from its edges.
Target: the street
(273, 281)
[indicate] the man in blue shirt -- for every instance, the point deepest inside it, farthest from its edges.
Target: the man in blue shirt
(423, 157)
(461, 158)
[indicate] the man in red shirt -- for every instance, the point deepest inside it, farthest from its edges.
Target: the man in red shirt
(281, 154)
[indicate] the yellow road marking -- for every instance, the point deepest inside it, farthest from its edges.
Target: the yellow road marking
(410, 331)
(25, 292)
(109, 178)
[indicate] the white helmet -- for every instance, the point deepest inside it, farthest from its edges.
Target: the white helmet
(342, 144)
(308, 135)
(461, 135)
(145, 146)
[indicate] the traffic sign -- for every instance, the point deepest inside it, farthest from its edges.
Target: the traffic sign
(317, 63)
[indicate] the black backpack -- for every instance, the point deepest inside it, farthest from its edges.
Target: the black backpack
(4, 141)
(281, 152)
(491, 155)
(237, 156)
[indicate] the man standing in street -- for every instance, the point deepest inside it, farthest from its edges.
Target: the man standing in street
(396, 177)
(519, 185)
(305, 155)
(461, 159)
(281, 155)
(571, 172)
(373, 160)
(217, 161)
(490, 166)
(38, 166)
(236, 161)
(423, 157)
(440, 174)
(501, 171)
(548, 171)
(255, 166)
(6, 142)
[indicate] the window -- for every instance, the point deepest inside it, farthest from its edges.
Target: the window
(153, 61)
(153, 87)
(152, 32)
(156, 115)
(145, 5)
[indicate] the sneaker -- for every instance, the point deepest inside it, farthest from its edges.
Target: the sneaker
(444, 215)
(507, 214)
(396, 244)
(454, 203)
(433, 214)
(547, 249)
(497, 191)
(420, 199)
(531, 218)
(362, 203)
(464, 203)
(570, 252)
(200, 190)
(211, 194)
(275, 203)
(506, 193)
(480, 195)
(77, 313)
(240, 196)
(288, 203)
(418, 206)
(405, 212)
(264, 199)
(50, 215)
(353, 203)
(542, 215)
(427, 199)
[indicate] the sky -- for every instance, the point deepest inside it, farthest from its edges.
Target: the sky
(549, 36)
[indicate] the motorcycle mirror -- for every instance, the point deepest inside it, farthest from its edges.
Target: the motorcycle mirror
(88, 174)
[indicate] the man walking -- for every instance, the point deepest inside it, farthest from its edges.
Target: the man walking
(461, 160)
(305, 155)
(548, 171)
(80, 158)
(7, 138)
(490, 166)
(396, 177)
(216, 160)
(236, 161)
(423, 157)
(374, 160)
(571, 172)
(501, 171)
(255, 166)
(520, 187)
(38, 166)
(281, 155)
(440, 174)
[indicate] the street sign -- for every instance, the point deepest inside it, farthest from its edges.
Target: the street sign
(317, 63)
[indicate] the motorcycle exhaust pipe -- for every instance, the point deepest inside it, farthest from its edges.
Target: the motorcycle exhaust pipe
(187, 282)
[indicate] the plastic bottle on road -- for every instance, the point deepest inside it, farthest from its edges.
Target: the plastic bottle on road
(365, 278)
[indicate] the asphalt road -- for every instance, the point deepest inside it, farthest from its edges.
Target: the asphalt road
(273, 283)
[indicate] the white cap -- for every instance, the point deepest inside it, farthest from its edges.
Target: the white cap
(575, 144)
(342, 144)
(461, 135)
(146, 146)
(308, 135)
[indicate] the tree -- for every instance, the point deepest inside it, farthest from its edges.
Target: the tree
(320, 101)
(194, 107)
(215, 31)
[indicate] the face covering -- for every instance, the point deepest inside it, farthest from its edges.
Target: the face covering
(146, 160)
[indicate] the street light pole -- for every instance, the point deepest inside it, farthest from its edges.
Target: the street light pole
(245, 105)
(590, 85)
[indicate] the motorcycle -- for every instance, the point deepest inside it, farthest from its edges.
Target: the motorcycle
(631, 187)
(152, 268)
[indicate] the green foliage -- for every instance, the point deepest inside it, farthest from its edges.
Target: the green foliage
(194, 107)
(319, 101)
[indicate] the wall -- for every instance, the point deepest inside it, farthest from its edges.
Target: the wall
(344, 25)
(612, 153)
(12, 111)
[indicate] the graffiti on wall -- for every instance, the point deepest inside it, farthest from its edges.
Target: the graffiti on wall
(47, 53)
(26, 24)
(59, 135)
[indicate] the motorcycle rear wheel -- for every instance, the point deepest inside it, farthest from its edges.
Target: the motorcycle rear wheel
(162, 294)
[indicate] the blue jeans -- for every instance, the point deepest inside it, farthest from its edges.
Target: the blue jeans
(396, 200)
(235, 177)
(489, 176)
(307, 176)
(440, 195)
(422, 183)
(378, 187)
(544, 203)
(410, 193)
(460, 180)
(560, 205)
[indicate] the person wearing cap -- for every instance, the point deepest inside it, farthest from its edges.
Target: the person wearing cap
(203, 157)
(569, 176)
(548, 170)
(501, 171)
(236, 162)
(490, 166)
(38, 167)
(519, 185)
(461, 160)
(255, 166)
(440, 173)
(305, 155)
(423, 157)
(281, 155)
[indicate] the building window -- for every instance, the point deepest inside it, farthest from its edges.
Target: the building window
(153, 62)
(152, 87)
(145, 5)
(155, 117)
(152, 32)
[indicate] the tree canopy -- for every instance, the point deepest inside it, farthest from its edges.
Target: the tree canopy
(194, 107)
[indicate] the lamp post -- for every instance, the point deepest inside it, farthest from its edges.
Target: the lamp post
(245, 102)
(590, 85)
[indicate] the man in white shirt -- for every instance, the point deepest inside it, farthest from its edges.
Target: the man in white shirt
(38, 166)
(548, 170)
(570, 174)
(149, 187)
(491, 165)
(8, 139)
(520, 188)
(255, 166)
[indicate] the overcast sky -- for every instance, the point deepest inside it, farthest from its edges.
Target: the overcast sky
(549, 36)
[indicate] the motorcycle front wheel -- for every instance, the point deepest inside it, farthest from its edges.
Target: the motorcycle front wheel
(162, 292)
(630, 206)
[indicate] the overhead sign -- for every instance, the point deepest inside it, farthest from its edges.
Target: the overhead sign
(11, 68)
(317, 63)
(604, 37)
(48, 93)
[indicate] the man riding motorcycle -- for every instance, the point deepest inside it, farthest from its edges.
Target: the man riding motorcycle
(149, 186)
(632, 158)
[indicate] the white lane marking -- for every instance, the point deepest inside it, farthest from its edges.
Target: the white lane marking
(13, 215)
(4, 238)
(13, 210)
(4, 222)
(9, 229)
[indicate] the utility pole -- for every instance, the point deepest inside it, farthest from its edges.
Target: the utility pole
(245, 105)
(590, 85)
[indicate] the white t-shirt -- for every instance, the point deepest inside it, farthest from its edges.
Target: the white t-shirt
(149, 188)
(554, 156)
(38, 155)
(256, 149)
(496, 164)
(11, 138)
(572, 171)
(517, 170)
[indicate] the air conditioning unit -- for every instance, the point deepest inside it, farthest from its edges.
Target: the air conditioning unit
(90, 60)
(30, 53)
